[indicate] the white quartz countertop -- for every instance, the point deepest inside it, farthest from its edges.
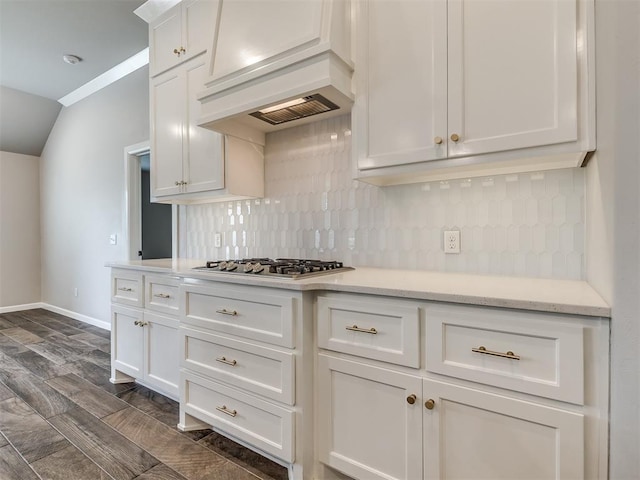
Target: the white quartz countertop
(562, 296)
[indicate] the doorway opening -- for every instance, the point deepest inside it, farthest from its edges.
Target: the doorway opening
(150, 229)
(155, 217)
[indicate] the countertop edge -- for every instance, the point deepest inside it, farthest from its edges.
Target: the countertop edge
(595, 307)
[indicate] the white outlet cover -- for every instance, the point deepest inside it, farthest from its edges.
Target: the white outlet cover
(113, 239)
(451, 241)
(216, 240)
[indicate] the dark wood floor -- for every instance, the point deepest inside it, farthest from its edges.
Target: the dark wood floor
(60, 418)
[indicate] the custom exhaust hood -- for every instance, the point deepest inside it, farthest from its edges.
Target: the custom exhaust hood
(277, 64)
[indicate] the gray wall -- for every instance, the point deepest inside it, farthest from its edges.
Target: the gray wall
(82, 193)
(19, 229)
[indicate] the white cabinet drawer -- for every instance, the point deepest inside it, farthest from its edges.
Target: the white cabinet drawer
(162, 294)
(249, 313)
(259, 423)
(126, 288)
(261, 370)
(370, 327)
(535, 353)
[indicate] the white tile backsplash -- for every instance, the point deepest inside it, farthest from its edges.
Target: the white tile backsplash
(522, 225)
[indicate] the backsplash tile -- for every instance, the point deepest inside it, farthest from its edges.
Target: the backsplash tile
(521, 225)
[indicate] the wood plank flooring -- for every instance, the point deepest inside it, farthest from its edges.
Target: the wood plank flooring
(61, 418)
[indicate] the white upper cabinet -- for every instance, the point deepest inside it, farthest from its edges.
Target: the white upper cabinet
(181, 33)
(459, 88)
(185, 158)
(512, 70)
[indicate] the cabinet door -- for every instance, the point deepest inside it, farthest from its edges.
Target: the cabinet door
(167, 125)
(473, 434)
(165, 41)
(512, 74)
(204, 153)
(367, 428)
(126, 341)
(199, 19)
(401, 80)
(162, 360)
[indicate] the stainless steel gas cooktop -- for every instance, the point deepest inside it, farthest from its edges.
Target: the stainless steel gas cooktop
(279, 267)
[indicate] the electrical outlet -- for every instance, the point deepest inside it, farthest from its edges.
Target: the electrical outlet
(452, 241)
(75, 292)
(113, 239)
(217, 240)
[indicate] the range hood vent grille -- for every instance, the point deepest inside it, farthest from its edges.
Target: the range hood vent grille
(301, 108)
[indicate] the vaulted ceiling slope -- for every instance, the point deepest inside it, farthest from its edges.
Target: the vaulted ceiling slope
(34, 35)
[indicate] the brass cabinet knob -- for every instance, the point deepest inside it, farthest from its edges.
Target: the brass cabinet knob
(437, 140)
(177, 183)
(182, 50)
(455, 137)
(411, 399)
(429, 404)
(176, 51)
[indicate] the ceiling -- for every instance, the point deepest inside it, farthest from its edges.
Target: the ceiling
(34, 35)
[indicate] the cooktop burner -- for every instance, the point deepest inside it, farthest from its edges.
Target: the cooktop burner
(280, 267)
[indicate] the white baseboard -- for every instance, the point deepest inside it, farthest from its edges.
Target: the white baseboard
(77, 316)
(18, 308)
(61, 311)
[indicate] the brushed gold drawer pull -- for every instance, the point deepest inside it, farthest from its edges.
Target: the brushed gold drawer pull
(162, 295)
(224, 311)
(226, 411)
(228, 362)
(411, 399)
(356, 328)
(510, 355)
(125, 289)
(429, 404)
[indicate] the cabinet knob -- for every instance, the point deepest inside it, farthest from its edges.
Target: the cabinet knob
(437, 140)
(177, 183)
(455, 137)
(429, 404)
(411, 399)
(176, 51)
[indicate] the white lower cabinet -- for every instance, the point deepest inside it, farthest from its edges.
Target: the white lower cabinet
(470, 433)
(367, 428)
(144, 346)
(127, 340)
(376, 423)
(238, 365)
(498, 394)
(144, 343)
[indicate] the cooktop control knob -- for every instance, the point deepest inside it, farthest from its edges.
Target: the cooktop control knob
(231, 266)
(247, 267)
(257, 268)
(222, 266)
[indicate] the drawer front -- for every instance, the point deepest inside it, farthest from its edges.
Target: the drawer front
(259, 423)
(248, 313)
(259, 369)
(126, 288)
(370, 327)
(536, 353)
(162, 294)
